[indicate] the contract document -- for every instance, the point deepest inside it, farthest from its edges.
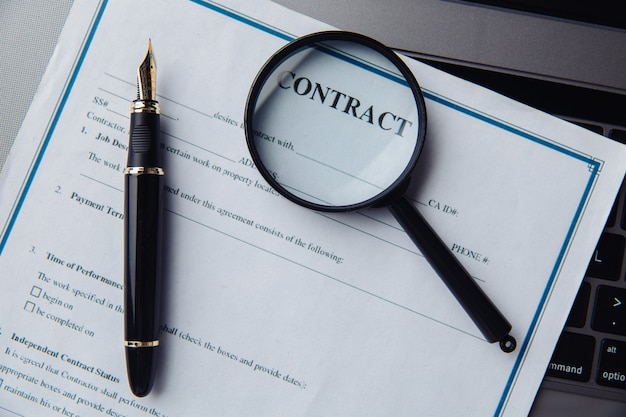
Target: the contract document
(270, 309)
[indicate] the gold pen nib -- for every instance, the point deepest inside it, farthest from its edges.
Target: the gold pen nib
(146, 76)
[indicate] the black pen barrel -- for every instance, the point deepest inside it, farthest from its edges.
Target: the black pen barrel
(489, 320)
(143, 247)
(142, 277)
(143, 205)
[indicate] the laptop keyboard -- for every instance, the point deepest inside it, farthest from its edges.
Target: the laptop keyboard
(591, 351)
(590, 356)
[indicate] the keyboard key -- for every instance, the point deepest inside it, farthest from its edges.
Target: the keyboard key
(578, 314)
(572, 357)
(612, 367)
(606, 262)
(594, 128)
(618, 135)
(609, 314)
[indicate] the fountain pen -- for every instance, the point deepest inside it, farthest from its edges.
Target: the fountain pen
(143, 204)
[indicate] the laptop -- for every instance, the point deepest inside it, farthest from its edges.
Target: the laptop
(568, 59)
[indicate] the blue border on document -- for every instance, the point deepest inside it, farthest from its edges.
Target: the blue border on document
(53, 122)
(592, 165)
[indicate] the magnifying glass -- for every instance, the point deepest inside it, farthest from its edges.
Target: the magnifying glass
(335, 121)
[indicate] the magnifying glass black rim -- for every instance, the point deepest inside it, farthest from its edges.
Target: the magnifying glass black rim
(288, 50)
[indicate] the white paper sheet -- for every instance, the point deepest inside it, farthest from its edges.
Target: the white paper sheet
(271, 309)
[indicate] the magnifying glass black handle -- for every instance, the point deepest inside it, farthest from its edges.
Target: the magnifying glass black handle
(489, 320)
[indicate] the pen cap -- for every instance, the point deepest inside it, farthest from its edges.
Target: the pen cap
(144, 134)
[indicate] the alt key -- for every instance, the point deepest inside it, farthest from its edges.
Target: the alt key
(612, 368)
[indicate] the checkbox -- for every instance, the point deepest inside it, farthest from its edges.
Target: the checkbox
(36, 291)
(29, 306)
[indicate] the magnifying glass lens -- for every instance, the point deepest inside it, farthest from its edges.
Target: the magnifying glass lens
(334, 124)
(335, 121)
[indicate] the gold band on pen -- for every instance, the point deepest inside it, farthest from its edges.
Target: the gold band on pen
(144, 170)
(140, 344)
(145, 106)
